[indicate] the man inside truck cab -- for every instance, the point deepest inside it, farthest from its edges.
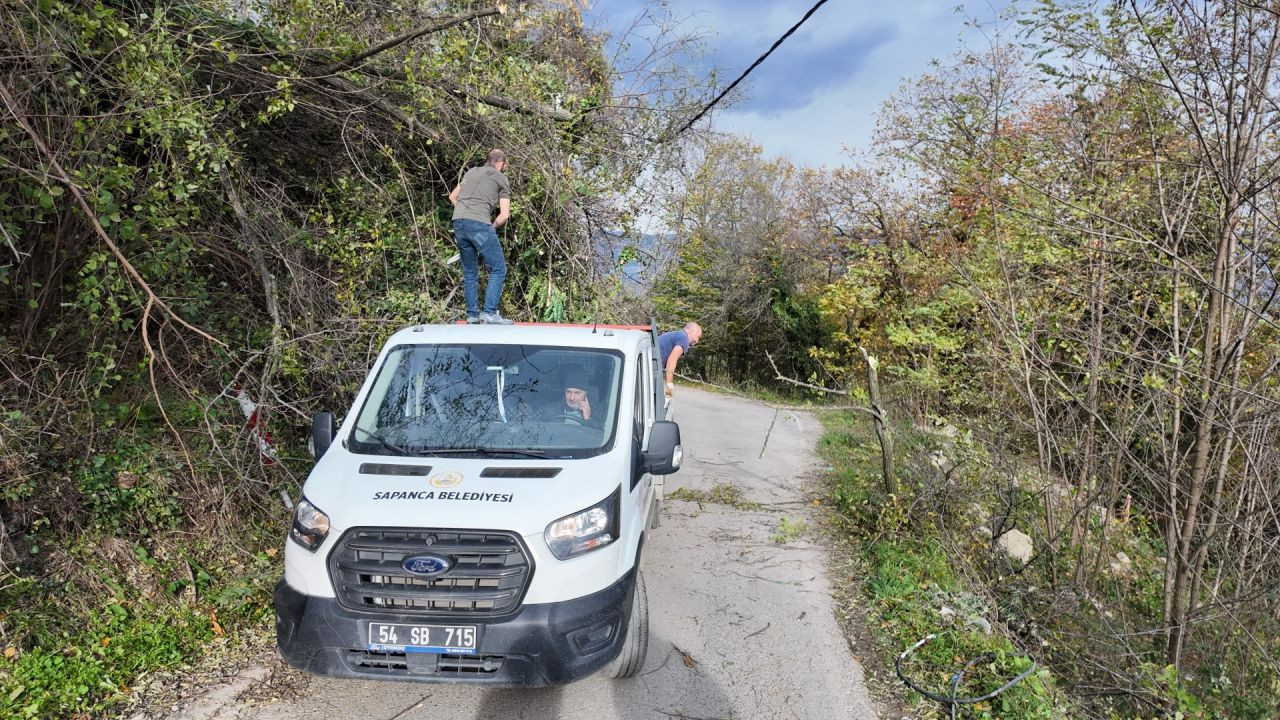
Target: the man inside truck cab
(575, 406)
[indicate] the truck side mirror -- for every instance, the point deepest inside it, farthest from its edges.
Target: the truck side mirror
(323, 429)
(664, 454)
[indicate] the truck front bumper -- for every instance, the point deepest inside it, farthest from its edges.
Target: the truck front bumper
(535, 646)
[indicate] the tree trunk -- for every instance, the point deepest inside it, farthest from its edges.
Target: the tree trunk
(883, 432)
(1210, 396)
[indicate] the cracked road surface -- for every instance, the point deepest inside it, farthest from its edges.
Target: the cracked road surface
(741, 626)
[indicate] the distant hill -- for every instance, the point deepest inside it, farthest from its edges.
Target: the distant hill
(650, 254)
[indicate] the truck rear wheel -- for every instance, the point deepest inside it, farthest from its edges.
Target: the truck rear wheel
(634, 648)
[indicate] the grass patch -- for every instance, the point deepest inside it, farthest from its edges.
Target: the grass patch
(905, 579)
(105, 609)
(720, 494)
(70, 650)
(66, 672)
(790, 530)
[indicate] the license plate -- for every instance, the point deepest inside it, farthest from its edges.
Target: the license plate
(456, 639)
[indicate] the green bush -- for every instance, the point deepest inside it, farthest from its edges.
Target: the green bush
(905, 577)
(66, 671)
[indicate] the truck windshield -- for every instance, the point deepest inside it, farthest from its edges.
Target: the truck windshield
(505, 400)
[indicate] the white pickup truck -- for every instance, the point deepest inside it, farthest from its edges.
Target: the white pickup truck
(480, 515)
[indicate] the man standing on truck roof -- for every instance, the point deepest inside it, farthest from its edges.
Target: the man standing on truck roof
(672, 345)
(482, 189)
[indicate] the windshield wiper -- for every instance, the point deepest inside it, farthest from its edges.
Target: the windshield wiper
(386, 443)
(528, 452)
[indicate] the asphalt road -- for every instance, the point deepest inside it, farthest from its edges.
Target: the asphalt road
(741, 626)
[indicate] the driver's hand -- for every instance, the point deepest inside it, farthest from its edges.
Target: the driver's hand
(585, 408)
(668, 388)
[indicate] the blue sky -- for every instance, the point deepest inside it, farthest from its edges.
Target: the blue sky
(821, 89)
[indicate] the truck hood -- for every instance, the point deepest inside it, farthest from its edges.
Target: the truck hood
(445, 492)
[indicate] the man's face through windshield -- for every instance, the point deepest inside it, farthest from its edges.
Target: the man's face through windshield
(573, 397)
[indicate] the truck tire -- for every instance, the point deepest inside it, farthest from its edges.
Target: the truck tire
(636, 645)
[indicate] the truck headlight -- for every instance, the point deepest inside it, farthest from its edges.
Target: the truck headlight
(310, 525)
(584, 531)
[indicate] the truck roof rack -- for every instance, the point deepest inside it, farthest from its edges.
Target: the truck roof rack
(645, 328)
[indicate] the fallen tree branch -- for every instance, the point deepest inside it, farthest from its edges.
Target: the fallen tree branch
(437, 26)
(779, 376)
(345, 86)
(883, 433)
(499, 101)
(65, 179)
(809, 408)
(504, 103)
(802, 384)
(812, 408)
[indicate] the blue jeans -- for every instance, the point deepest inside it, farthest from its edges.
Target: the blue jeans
(479, 240)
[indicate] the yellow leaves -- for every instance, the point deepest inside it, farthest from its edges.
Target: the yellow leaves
(217, 627)
(106, 640)
(10, 652)
(271, 552)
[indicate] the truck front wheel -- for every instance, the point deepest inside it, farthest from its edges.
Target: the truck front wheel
(634, 648)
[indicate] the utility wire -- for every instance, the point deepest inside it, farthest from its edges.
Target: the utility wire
(747, 72)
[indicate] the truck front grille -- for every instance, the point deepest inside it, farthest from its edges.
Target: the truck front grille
(398, 663)
(490, 571)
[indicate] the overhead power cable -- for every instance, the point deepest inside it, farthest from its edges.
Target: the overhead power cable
(747, 72)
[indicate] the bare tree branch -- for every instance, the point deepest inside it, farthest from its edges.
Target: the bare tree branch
(505, 103)
(437, 26)
(65, 179)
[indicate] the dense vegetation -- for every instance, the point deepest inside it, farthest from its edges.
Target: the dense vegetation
(1062, 250)
(200, 198)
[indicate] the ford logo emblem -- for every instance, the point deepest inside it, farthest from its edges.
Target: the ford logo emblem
(426, 564)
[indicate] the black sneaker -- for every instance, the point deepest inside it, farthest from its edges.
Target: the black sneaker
(494, 318)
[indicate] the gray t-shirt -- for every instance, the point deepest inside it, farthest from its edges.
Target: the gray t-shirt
(479, 193)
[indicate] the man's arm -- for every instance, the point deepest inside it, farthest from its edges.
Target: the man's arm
(676, 352)
(453, 196)
(504, 212)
